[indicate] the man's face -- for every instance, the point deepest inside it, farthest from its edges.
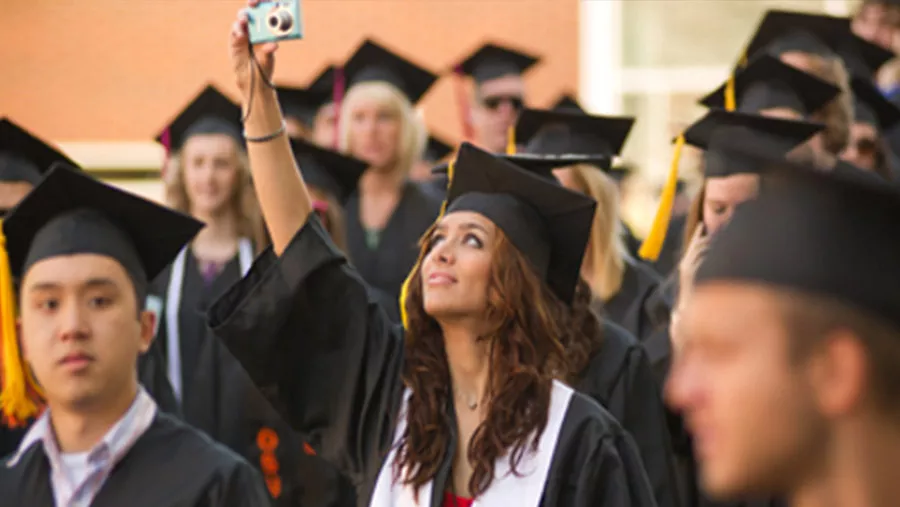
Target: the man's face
(11, 192)
(80, 329)
(497, 105)
(749, 408)
(878, 24)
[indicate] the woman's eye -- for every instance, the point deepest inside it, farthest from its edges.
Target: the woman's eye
(473, 240)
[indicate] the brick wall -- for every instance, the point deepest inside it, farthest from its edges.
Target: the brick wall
(116, 70)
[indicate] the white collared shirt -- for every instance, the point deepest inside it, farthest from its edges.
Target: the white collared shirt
(77, 478)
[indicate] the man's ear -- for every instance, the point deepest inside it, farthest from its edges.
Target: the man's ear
(838, 373)
(148, 329)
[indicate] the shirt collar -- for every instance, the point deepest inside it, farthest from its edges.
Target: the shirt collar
(114, 444)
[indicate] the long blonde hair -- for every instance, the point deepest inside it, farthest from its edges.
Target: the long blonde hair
(412, 137)
(243, 200)
(606, 250)
(838, 114)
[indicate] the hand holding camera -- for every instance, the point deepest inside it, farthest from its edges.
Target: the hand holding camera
(261, 24)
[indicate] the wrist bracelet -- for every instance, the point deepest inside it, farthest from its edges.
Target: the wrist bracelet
(269, 137)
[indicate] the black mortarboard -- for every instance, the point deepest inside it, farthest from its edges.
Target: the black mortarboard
(568, 104)
(324, 82)
(491, 61)
(328, 170)
(781, 32)
(302, 103)
(70, 212)
(372, 62)
(547, 223)
(766, 82)
(436, 149)
(210, 112)
(818, 232)
(559, 133)
(718, 131)
(23, 156)
(541, 165)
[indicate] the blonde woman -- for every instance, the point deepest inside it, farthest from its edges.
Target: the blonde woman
(206, 177)
(377, 125)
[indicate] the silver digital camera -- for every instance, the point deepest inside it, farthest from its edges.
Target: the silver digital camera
(275, 20)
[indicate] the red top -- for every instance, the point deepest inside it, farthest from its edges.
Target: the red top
(451, 500)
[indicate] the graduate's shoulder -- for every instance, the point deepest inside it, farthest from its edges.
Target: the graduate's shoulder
(610, 361)
(189, 445)
(588, 421)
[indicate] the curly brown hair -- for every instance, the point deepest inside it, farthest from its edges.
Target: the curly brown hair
(524, 321)
(584, 332)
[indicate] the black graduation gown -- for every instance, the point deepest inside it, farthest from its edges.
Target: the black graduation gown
(386, 266)
(334, 369)
(672, 246)
(620, 378)
(628, 307)
(200, 396)
(223, 402)
(171, 465)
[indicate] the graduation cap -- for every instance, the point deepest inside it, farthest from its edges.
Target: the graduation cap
(72, 213)
(719, 130)
(372, 62)
(302, 103)
(210, 112)
(492, 61)
(541, 165)
(568, 104)
(715, 132)
(328, 170)
(819, 232)
(324, 82)
(23, 156)
(767, 82)
(436, 149)
(558, 133)
(547, 223)
(781, 32)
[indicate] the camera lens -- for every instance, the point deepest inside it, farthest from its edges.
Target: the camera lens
(281, 21)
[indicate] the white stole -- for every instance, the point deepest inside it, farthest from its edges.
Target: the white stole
(507, 489)
(173, 304)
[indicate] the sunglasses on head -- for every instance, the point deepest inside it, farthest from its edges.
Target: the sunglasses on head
(495, 101)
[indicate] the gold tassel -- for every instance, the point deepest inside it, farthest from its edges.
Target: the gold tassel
(404, 289)
(730, 101)
(511, 141)
(653, 244)
(730, 95)
(20, 397)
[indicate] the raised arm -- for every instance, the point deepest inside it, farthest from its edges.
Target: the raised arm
(279, 186)
(302, 322)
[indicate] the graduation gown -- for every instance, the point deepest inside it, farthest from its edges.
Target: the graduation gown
(629, 307)
(170, 465)
(672, 246)
(335, 372)
(181, 303)
(385, 267)
(619, 377)
(222, 401)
